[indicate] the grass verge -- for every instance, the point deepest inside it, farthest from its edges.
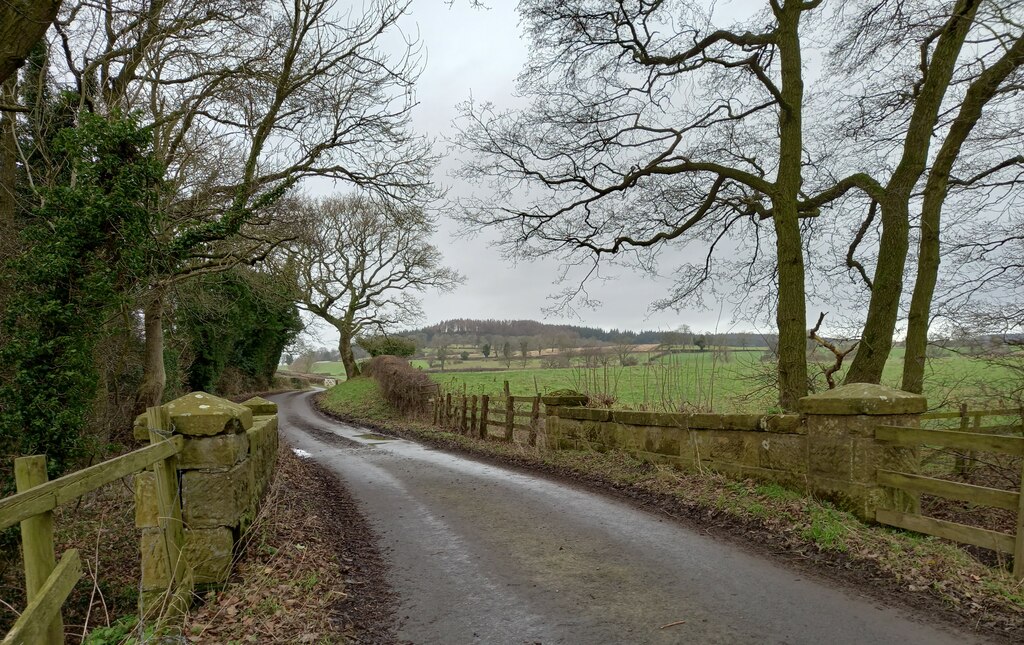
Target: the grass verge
(929, 574)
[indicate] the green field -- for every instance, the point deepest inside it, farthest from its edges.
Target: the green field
(743, 383)
(708, 381)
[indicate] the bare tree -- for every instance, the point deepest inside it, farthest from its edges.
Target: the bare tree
(997, 84)
(359, 263)
(247, 99)
(619, 165)
(651, 125)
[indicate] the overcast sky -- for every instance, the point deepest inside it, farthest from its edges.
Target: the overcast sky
(479, 52)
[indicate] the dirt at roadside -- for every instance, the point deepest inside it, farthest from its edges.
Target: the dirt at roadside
(310, 571)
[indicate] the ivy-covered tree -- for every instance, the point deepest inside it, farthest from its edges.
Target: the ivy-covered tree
(234, 323)
(86, 250)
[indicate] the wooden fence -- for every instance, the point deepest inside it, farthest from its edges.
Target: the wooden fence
(477, 415)
(48, 582)
(967, 443)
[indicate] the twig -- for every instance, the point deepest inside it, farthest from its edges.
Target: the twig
(838, 353)
(678, 622)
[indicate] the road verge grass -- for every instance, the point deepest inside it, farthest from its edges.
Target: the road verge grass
(894, 566)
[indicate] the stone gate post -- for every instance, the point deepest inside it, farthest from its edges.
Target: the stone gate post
(223, 470)
(843, 454)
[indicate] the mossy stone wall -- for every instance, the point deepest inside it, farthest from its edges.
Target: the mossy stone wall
(829, 449)
(224, 470)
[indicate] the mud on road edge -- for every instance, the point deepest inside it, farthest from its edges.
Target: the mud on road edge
(368, 613)
(310, 569)
(857, 574)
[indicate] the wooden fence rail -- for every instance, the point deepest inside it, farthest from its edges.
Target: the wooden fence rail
(915, 484)
(48, 583)
(474, 414)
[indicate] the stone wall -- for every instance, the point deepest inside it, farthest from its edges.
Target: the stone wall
(224, 470)
(772, 447)
(829, 449)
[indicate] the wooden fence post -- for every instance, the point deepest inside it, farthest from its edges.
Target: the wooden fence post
(37, 542)
(485, 401)
(510, 417)
(534, 420)
(448, 409)
(472, 416)
(437, 408)
(1018, 545)
(168, 504)
(960, 463)
(462, 419)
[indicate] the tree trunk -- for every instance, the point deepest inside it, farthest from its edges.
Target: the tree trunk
(348, 359)
(22, 24)
(978, 95)
(886, 291)
(154, 378)
(791, 315)
(887, 287)
(8, 165)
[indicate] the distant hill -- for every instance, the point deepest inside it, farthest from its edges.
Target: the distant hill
(473, 332)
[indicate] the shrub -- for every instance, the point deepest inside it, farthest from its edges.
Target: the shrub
(387, 345)
(553, 361)
(403, 386)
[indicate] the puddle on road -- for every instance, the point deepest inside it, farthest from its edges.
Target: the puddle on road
(299, 452)
(375, 437)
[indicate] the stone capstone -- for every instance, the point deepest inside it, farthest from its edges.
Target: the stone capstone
(260, 406)
(202, 414)
(863, 398)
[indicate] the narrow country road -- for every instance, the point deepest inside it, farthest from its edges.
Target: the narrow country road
(481, 554)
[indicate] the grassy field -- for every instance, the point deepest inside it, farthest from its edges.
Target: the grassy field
(740, 382)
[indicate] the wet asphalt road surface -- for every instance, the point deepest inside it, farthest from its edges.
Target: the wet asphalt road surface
(481, 554)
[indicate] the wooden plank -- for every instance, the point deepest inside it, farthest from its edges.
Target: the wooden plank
(37, 550)
(534, 419)
(509, 415)
(472, 416)
(948, 530)
(1008, 428)
(1018, 547)
(484, 402)
(52, 494)
(976, 413)
(168, 502)
(950, 490)
(30, 628)
(908, 436)
(522, 415)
